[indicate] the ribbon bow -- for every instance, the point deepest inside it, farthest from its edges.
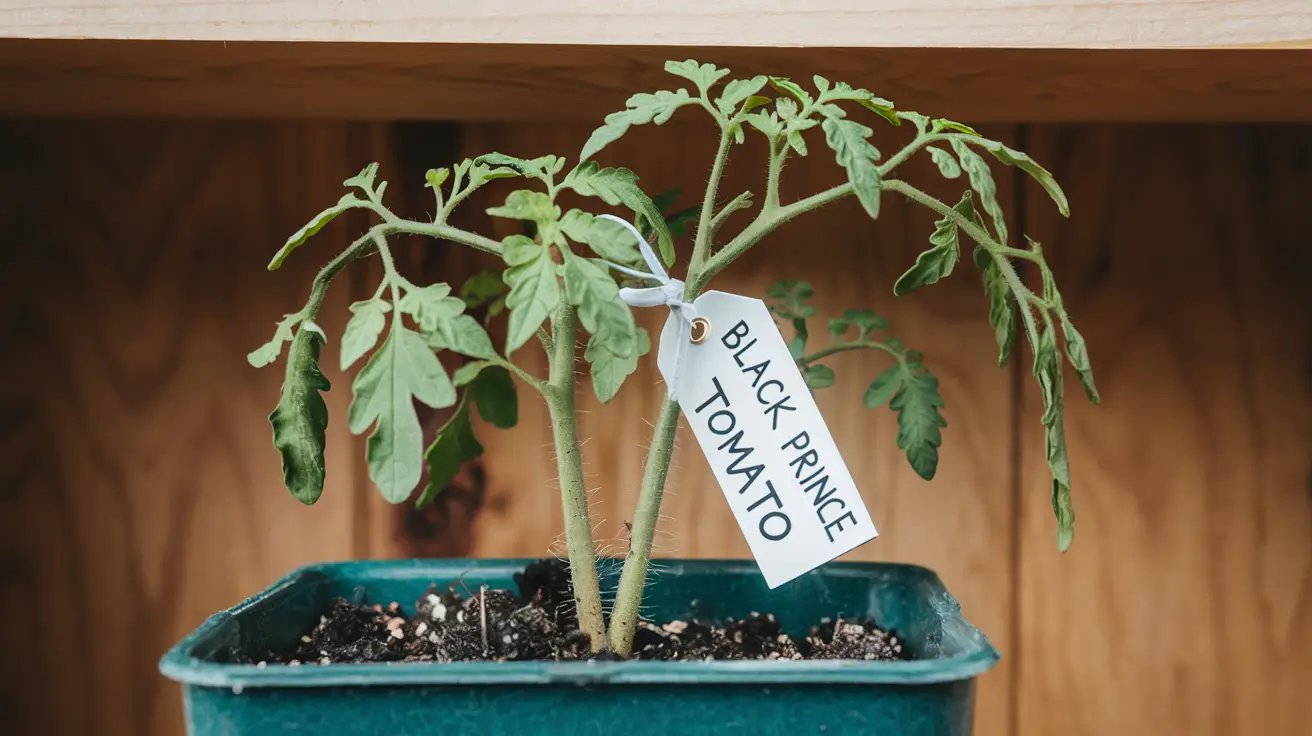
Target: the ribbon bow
(669, 293)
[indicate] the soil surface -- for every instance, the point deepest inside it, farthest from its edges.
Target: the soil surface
(461, 625)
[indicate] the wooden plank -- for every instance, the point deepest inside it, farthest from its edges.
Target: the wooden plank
(1185, 604)
(946, 23)
(466, 82)
(140, 490)
(961, 524)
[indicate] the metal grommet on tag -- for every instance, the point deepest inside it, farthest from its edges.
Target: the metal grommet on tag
(701, 329)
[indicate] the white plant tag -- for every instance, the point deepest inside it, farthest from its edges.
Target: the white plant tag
(759, 427)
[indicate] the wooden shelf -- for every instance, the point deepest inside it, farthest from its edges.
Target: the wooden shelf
(1003, 60)
(1111, 24)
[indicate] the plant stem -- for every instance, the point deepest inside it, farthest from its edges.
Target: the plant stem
(846, 346)
(569, 470)
(701, 249)
(628, 597)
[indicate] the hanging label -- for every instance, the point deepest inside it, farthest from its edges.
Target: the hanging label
(760, 428)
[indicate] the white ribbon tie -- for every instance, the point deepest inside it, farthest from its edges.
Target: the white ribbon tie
(669, 293)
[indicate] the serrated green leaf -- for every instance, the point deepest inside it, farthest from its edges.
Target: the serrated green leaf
(917, 403)
(937, 262)
(786, 86)
(433, 308)
(1078, 354)
(465, 336)
(535, 207)
(549, 164)
(361, 334)
(454, 445)
(786, 108)
(606, 238)
(737, 92)
(702, 75)
(790, 299)
(365, 179)
(435, 178)
(534, 289)
(590, 287)
(864, 320)
(1022, 161)
(402, 370)
(620, 186)
(947, 164)
(942, 124)
(1001, 313)
(865, 98)
(608, 370)
(269, 351)
(818, 376)
(766, 122)
(883, 388)
(300, 420)
(308, 230)
(981, 180)
(640, 109)
(797, 143)
(855, 154)
(1047, 369)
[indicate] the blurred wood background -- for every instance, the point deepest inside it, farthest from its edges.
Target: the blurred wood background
(139, 493)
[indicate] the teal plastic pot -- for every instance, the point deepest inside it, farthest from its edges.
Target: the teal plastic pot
(931, 696)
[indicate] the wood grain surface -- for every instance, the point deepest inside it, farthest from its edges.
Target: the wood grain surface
(1185, 604)
(945, 23)
(139, 490)
(473, 82)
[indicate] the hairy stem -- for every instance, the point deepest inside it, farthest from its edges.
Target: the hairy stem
(628, 598)
(843, 347)
(569, 470)
(701, 249)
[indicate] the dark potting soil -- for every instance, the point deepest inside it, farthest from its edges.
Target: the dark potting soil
(461, 625)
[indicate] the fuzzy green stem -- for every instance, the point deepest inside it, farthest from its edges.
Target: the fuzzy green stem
(569, 470)
(843, 347)
(701, 249)
(628, 597)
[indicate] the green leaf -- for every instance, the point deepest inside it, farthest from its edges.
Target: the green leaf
(484, 289)
(754, 102)
(1047, 368)
(1001, 313)
(854, 153)
(866, 99)
(493, 393)
(942, 124)
(606, 238)
(791, 299)
(920, 121)
(609, 370)
(300, 420)
(534, 289)
(919, 422)
(466, 336)
(818, 376)
(1012, 157)
(640, 109)
(435, 178)
(402, 370)
(737, 92)
(981, 180)
(604, 315)
(883, 388)
(454, 445)
(308, 230)
(947, 165)
(784, 85)
(766, 122)
(1078, 354)
(536, 207)
(797, 143)
(937, 262)
(702, 75)
(365, 179)
(620, 186)
(678, 221)
(540, 166)
(269, 351)
(432, 308)
(864, 320)
(361, 334)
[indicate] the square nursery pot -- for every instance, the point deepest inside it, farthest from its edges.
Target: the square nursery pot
(931, 696)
